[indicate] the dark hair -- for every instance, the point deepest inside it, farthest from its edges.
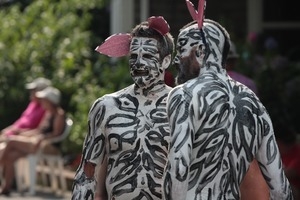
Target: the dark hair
(166, 42)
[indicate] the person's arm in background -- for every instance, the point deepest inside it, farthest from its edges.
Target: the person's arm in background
(101, 171)
(254, 185)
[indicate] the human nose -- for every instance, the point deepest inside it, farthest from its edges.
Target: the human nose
(137, 64)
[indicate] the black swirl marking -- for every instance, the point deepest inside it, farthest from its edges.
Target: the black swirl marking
(120, 188)
(125, 159)
(121, 120)
(272, 152)
(127, 103)
(195, 172)
(98, 148)
(152, 166)
(181, 163)
(156, 141)
(214, 146)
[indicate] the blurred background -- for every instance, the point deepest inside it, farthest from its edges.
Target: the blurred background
(57, 40)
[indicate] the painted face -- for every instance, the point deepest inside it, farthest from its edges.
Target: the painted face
(145, 62)
(189, 54)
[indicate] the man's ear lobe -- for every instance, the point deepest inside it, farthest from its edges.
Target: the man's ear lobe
(166, 61)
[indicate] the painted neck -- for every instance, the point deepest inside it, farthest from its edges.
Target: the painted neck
(151, 91)
(213, 64)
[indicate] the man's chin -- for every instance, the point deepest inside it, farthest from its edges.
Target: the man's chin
(140, 81)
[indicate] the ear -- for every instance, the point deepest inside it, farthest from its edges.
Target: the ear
(166, 61)
(201, 52)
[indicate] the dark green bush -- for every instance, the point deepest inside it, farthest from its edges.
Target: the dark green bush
(56, 39)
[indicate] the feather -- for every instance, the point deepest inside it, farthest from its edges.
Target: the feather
(201, 8)
(116, 45)
(192, 10)
(197, 15)
(159, 24)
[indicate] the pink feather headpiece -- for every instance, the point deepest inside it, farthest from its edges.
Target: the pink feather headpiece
(197, 15)
(118, 45)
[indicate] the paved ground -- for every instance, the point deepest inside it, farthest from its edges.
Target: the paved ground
(39, 196)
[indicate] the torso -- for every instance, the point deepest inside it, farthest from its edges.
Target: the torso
(48, 127)
(228, 125)
(136, 134)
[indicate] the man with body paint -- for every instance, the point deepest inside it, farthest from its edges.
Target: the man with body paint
(253, 185)
(218, 126)
(128, 136)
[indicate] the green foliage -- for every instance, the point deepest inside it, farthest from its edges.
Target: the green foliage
(277, 79)
(54, 39)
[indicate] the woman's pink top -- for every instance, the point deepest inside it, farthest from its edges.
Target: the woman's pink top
(30, 118)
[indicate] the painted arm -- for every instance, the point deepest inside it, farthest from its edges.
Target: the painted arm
(101, 193)
(270, 163)
(176, 177)
(93, 153)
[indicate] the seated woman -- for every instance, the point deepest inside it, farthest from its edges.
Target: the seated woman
(34, 112)
(28, 142)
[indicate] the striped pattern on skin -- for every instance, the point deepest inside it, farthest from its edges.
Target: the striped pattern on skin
(129, 132)
(217, 127)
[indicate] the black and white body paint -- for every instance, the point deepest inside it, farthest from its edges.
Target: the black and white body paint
(218, 126)
(129, 131)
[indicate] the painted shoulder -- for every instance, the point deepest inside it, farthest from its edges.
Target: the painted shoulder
(107, 100)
